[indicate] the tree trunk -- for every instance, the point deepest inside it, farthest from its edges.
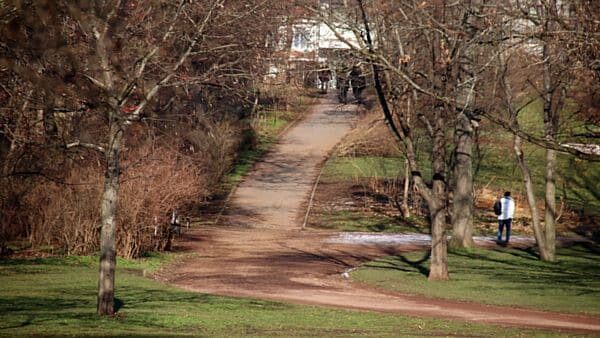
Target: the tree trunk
(550, 115)
(108, 209)
(435, 197)
(538, 231)
(404, 206)
(438, 269)
(462, 202)
(550, 213)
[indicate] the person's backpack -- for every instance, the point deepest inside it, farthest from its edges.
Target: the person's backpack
(498, 208)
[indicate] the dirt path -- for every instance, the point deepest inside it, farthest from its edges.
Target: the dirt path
(272, 194)
(262, 253)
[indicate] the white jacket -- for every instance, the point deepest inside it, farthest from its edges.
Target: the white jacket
(508, 208)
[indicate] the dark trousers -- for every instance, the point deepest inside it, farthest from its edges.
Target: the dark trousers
(343, 94)
(357, 91)
(501, 224)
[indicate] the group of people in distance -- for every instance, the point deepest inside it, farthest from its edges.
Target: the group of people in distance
(345, 79)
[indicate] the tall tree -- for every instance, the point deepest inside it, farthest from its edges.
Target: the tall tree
(106, 64)
(549, 33)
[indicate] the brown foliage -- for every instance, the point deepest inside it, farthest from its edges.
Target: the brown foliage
(370, 138)
(67, 216)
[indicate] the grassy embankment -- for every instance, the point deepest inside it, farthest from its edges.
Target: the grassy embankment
(501, 276)
(56, 296)
(494, 168)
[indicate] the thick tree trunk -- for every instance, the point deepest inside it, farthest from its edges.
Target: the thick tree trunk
(550, 127)
(438, 269)
(462, 202)
(108, 209)
(435, 197)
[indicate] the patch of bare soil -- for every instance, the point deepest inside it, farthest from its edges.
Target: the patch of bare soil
(261, 252)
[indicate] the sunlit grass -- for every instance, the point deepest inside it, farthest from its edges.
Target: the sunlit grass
(358, 221)
(503, 276)
(56, 296)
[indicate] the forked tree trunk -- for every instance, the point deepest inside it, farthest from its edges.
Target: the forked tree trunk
(462, 202)
(108, 210)
(436, 196)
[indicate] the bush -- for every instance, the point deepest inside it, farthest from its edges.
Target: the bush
(158, 176)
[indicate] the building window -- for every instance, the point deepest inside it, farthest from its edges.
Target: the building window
(301, 38)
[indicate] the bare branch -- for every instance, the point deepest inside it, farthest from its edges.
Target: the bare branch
(96, 82)
(581, 152)
(135, 115)
(85, 145)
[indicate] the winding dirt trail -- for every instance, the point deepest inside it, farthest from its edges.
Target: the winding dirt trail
(261, 252)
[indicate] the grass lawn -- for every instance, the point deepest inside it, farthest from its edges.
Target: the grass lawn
(502, 276)
(349, 168)
(494, 165)
(577, 182)
(346, 220)
(56, 296)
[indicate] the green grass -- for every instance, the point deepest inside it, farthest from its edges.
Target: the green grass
(496, 168)
(358, 221)
(56, 296)
(503, 276)
(576, 183)
(349, 168)
(577, 180)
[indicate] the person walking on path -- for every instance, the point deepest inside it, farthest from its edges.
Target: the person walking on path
(324, 78)
(507, 212)
(342, 84)
(358, 83)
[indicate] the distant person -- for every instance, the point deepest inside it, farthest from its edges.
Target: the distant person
(324, 78)
(358, 83)
(342, 84)
(505, 209)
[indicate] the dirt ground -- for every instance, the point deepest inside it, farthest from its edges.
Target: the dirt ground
(260, 250)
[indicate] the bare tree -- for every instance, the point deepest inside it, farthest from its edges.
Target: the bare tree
(121, 64)
(549, 32)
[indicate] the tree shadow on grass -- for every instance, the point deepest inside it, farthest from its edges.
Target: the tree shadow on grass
(529, 253)
(576, 268)
(418, 265)
(118, 304)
